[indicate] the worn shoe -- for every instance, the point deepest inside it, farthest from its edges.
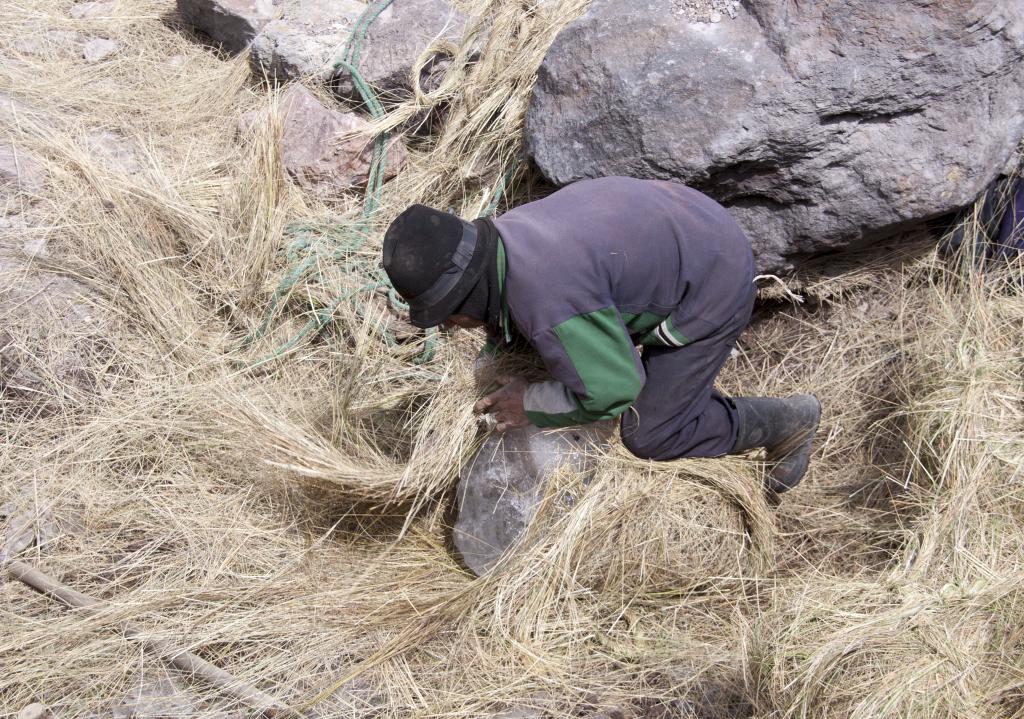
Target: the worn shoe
(785, 428)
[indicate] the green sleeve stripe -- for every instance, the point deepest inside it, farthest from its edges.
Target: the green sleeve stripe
(652, 328)
(679, 337)
(641, 323)
(506, 321)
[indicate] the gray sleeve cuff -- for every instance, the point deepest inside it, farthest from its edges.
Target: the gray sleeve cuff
(549, 398)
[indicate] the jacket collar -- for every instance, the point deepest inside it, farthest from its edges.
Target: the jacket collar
(504, 320)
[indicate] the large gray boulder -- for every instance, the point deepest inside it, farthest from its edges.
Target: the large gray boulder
(503, 484)
(395, 41)
(310, 35)
(821, 125)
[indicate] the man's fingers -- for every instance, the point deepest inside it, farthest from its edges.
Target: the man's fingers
(504, 423)
(490, 400)
(507, 423)
(498, 401)
(485, 403)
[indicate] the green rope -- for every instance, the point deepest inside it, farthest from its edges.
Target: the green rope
(499, 189)
(354, 44)
(347, 238)
(337, 242)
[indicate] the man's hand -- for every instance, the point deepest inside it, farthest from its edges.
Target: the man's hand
(506, 404)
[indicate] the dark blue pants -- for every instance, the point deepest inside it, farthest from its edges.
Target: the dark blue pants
(679, 413)
(1011, 230)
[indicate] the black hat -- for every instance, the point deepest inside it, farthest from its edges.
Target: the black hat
(433, 260)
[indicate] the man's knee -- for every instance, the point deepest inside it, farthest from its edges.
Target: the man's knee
(640, 444)
(639, 448)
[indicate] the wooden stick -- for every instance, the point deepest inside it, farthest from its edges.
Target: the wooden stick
(177, 656)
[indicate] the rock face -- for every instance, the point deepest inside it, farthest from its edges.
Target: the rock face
(821, 125)
(502, 485)
(232, 23)
(302, 38)
(306, 37)
(395, 41)
(312, 149)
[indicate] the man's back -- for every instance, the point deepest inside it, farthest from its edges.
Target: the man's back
(642, 246)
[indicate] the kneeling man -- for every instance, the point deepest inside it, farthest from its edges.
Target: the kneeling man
(584, 276)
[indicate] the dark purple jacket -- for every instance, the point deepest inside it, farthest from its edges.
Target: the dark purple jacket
(602, 265)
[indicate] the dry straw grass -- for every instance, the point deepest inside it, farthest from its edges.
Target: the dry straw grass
(288, 523)
(936, 632)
